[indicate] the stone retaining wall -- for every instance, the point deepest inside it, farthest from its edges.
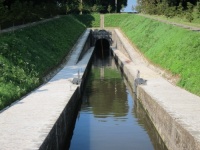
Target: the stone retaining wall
(174, 112)
(60, 135)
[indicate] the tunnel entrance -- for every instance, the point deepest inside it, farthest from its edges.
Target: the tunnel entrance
(102, 48)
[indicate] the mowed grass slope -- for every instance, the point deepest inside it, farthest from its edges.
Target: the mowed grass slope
(172, 48)
(28, 54)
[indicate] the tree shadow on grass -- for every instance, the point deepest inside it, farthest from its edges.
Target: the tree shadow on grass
(87, 19)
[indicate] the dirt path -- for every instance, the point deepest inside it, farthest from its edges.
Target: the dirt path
(27, 25)
(102, 21)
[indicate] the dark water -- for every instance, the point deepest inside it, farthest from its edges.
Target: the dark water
(110, 118)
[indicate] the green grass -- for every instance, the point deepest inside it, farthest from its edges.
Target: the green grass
(28, 54)
(176, 19)
(89, 20)
(173, 48)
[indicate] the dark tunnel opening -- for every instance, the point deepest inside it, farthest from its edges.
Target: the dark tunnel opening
(102, 48)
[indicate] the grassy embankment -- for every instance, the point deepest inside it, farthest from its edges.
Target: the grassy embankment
(27, 55)
(176, 19)
(172, 48)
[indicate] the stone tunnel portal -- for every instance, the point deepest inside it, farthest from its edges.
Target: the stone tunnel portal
(102, 39)
(102, 48)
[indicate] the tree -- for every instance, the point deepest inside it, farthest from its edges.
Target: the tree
(94, 8)
(80, 7)
(133, 8)
(170, 12)
(198, 9)
(189, 15)
(68, 8)
(16, 12)
(161, 8)
(179, 10)
(3, 13)
(165, 6)
(109, 8)
(122, 7)
(28, 11)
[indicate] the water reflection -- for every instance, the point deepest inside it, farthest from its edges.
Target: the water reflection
(144, 121)
(109, 117)
(107, 99)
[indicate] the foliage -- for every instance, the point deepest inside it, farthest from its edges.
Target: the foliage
(109, 8)
(122, 7)
(3, 13)
(189, 15)
(27, 55)
(25, 11)
(80, 7)
(89, 20)
(174, 49)
(170, 8)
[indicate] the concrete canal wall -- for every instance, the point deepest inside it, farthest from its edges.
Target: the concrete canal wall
(43, 119)
(174, 111)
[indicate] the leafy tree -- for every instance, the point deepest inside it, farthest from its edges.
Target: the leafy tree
(52, 9)
(161, 8)
(170, 12)
(198, 9)
(80, 7)
(94, 8)
(133, 8)
(28, 11)
(3, 13)
(16, 12)
(122, 7)
(109, 8)
(179, 10)
(189, 15)
(68, 8)
(167, 7)
(61, 8)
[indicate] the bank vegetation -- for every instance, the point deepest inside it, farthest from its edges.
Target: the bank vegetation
(172, 48)
(29, 54)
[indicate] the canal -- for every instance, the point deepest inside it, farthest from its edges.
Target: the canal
(110, 118)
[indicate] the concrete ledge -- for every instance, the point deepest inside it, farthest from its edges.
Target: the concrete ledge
(60, 135)
(174, 111)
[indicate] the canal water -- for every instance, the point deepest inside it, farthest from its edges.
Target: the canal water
(110, 118)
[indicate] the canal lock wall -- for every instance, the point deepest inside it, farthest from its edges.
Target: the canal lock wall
(62, 131)
(174, 112)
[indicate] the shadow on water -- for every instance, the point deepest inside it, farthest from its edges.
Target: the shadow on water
(110, 117)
